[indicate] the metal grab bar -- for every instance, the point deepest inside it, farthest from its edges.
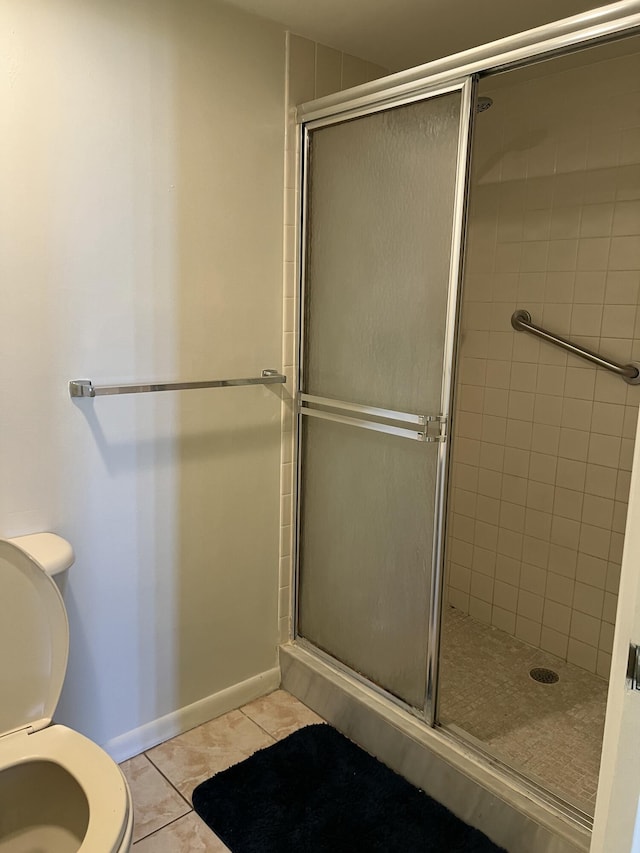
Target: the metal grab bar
(521, 322)
(85, 388)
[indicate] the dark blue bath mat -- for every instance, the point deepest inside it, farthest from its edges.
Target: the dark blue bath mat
(316, 792)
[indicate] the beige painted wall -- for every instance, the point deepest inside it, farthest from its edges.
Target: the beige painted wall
(543, 441)
(141, 161)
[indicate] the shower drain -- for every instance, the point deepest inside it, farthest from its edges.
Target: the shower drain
(544, 676)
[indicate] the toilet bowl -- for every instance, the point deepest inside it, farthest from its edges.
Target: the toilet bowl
(59, 791)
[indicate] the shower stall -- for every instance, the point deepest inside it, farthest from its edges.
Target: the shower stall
(468, 398)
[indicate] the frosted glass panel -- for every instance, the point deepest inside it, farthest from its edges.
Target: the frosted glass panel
(380, 221)
(366, 543)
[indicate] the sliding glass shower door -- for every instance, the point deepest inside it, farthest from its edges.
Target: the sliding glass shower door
(383, 213)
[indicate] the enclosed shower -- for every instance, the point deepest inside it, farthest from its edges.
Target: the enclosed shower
(543, 438)
(464, 469)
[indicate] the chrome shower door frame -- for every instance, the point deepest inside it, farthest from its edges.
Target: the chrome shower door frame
(466, 86)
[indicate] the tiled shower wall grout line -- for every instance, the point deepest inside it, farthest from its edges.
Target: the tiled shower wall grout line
(313, 70)
(542, 442)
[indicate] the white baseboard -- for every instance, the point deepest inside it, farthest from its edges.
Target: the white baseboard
(151, 734)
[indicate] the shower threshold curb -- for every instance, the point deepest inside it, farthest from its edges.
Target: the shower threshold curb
(510, 814)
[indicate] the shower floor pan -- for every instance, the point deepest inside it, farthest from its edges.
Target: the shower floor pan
(551, 732)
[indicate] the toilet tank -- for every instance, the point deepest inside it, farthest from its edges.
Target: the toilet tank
(49, 550)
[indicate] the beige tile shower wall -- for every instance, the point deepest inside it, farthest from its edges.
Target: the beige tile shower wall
(543, 441)
(313, 70)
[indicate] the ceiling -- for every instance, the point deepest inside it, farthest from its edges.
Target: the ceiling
(399, 34)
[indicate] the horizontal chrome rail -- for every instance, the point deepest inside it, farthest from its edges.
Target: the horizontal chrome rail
(85, 388)
(388, 414)
(418, 432)
(521, 322)
(376, 426)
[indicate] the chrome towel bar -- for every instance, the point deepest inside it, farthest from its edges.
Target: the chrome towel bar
(374, 418)
(85, 388)
(521, 322)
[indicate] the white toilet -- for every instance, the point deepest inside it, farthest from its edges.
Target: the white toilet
(59, 791)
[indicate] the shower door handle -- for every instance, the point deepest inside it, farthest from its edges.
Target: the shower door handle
(419, 427)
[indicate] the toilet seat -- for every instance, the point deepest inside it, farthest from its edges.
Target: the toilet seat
(110, 811)
(34, 643)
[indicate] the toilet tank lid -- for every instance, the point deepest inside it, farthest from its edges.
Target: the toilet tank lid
(34, 642)
(49, 550)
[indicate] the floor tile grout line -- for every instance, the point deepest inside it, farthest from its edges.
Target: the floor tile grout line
(276, 739)
(160, 828)
(166, 778)
(262, 728)
(189, 805)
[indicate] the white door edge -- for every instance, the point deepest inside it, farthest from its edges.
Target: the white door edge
(616, 826)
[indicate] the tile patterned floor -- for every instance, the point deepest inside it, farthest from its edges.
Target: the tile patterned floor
(163, 778)
(550, 732)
